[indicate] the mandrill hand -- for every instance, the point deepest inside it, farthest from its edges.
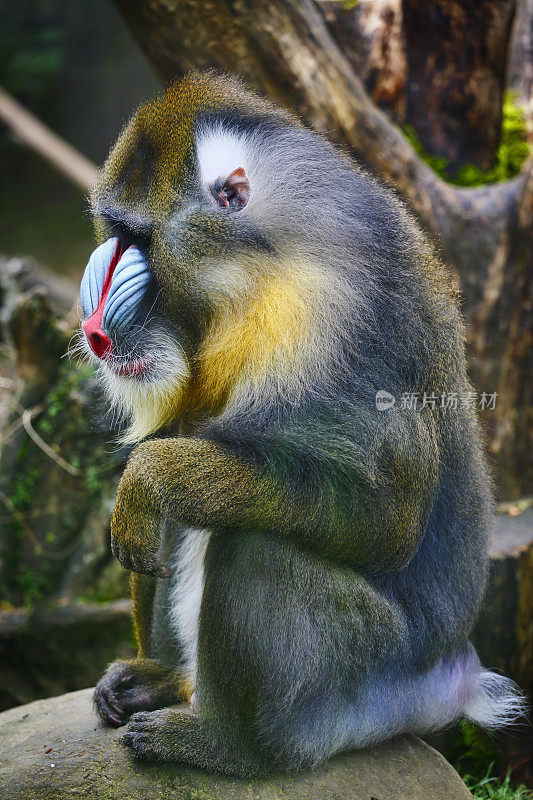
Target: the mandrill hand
(136, 520)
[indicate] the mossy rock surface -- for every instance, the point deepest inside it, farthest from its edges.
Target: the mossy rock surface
(56, 749)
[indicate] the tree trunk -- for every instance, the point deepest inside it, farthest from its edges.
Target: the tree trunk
(286, 50)
(457, 56)
(371, 37)
(440, 67)
(520, 67)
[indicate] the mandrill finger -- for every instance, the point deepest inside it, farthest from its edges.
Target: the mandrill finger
(115, 705)
(147, 565)
(162, 572)
(116, 549)
(107, 711)
(111, 717)
(139, 562)
(151, 566)
(123, 556)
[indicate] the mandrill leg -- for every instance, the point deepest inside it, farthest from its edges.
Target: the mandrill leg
(281, 661)
(142, 589)
(156, 677)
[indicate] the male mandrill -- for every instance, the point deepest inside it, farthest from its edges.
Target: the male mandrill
(307, 565)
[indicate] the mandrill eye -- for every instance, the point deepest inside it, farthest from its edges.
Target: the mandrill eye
(233, 191)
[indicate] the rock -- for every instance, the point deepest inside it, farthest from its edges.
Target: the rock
(56, 749)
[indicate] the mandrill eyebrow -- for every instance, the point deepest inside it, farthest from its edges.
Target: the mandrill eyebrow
(130, 227)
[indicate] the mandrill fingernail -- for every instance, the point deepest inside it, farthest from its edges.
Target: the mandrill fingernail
(163, 572)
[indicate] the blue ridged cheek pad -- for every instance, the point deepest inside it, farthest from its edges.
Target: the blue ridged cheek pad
(93, 279)
(128, 288)
(129, 284)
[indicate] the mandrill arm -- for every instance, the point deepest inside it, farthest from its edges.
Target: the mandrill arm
(195, 480)
(373, 521)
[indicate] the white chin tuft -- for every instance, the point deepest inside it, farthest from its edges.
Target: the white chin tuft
(149, 398)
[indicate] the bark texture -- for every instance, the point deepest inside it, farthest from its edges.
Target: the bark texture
(503, 634)
(370, 34)
(520, 67)
(457, 57)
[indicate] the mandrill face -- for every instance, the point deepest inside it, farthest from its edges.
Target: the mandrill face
(177, 234)
(141, 360)
(221, 275)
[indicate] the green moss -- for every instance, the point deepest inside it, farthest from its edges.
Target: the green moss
(33, 585)
(511, 154)
(113, 583)
(25, 483)
(32, 48)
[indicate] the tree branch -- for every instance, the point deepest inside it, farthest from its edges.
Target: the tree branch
(50, 146)
(16, 620)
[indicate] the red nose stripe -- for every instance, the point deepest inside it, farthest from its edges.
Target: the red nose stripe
(99, 342)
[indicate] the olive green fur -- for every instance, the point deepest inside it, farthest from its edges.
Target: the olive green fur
(207, 487)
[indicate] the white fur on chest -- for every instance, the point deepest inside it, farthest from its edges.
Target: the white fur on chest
(186, 594)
